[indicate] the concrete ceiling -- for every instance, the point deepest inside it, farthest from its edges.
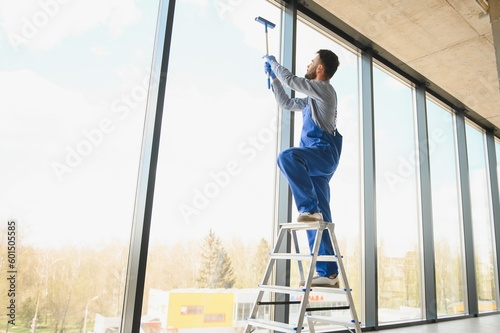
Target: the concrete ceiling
(449, 42)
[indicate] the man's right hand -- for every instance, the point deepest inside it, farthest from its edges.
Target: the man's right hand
(267, 69)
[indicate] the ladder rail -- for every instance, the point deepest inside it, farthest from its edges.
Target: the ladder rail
(297, 251)
(304, 309)
(267, 275)
(343, 275)
(305, 299)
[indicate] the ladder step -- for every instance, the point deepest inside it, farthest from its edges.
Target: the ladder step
(272, 325)
(282, 289)
(330, 290)
(327, 258)
(301, 290)
(300, 225)
(332, 321)
(302, 256)
(293, 256)
(288, 328)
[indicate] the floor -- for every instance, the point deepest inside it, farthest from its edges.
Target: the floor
(483, 324)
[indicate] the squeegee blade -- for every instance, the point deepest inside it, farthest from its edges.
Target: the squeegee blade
(265, 22)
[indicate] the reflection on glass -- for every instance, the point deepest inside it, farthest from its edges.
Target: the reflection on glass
(213, 214)
(74, 79)
(398, 218)
(446, 211)
(482, 222)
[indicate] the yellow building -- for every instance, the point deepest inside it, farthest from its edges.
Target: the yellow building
(218, 310)
(200, 309)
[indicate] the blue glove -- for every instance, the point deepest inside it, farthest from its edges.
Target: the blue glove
(269, 58)
(267, 69)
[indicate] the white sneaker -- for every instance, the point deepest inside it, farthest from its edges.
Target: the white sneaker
(310, 217)
(331, 281)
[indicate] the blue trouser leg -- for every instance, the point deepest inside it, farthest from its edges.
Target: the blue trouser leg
(299, 165)
(309, 170)
(322, 186)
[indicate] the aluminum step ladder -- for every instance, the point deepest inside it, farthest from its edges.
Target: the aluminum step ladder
(306, 320)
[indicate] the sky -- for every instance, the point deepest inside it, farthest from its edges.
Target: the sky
(74, 76)
(76, 60)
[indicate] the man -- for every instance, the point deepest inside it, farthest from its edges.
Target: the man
(309, 167)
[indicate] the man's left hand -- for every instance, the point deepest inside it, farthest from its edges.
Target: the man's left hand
(269, 58)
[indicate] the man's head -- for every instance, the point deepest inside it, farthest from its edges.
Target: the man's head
(323, 66)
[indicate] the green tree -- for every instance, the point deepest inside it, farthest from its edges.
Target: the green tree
(216, 270)
(260, 261)
(411, 278)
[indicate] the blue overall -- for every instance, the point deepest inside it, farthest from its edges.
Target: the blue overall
(309, 169)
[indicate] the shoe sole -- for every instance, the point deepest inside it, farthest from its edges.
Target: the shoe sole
(308, 220)
(326, 285)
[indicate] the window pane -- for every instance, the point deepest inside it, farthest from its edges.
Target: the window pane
(74, 78)
(345, 185)
(482, 222)
(213, 214)
(446, 211)
(398, 217)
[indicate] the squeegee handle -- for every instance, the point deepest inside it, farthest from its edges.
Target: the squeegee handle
(268, 74)
(267, 53)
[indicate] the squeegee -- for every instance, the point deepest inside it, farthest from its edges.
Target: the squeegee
(267, 24)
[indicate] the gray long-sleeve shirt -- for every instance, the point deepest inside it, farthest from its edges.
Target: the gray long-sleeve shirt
(322, 98)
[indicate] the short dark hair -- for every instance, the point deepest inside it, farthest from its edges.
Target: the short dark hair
(330, 61)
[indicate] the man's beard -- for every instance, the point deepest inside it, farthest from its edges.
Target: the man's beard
(310, 76)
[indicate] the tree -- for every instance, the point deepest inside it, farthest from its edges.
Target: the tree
(216, 270)
(260, 261)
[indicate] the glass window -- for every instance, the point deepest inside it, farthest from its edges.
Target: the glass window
(482, 222)
(345, 185)
(213, 215)
(74, 77)
(398, 217)
(446, 211)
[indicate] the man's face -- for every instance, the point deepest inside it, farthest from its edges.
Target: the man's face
(311, 69)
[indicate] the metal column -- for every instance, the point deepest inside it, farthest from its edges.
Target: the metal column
(495, 204)
(470, 267)
(139, 239)
(369, 199)
(426, 206)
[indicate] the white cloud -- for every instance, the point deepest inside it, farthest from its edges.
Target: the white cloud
(100, 51)
(42, 24)
(25, 92)
(243, 14)
(39, 120)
